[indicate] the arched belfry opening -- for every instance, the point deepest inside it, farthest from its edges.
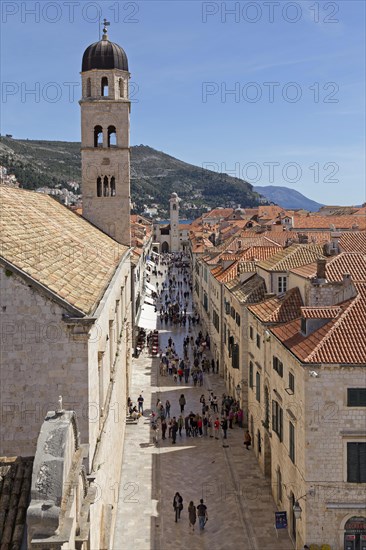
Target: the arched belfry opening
(104, 87)
(112, 136)
(105, 187)
(98, 136)
(113, 186)
(99, 187)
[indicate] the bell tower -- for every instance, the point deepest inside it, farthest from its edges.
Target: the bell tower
(105, 138)
(174, 223)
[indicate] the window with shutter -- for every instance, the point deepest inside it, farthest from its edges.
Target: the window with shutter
(356, 462)
(258, 387)
(356, 397)
(292, 442)
(235, 356)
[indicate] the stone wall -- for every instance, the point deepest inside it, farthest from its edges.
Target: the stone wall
(41, 358)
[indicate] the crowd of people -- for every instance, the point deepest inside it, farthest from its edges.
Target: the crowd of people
(205, 423)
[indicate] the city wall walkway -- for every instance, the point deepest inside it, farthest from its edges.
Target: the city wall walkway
(238, 498)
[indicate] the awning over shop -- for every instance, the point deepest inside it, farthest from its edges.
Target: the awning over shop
(153, 252)
(147, 318)
(151, 287)
(150, 263)
(149, 301)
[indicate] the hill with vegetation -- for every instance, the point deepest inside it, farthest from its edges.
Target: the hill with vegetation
(154, 176)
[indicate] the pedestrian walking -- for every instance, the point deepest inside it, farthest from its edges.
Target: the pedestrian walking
(247, 440)
(163, 428)
(224, 426)
(140, 401)
(182, 402)
(192, 515)
(202, 514)
(177, 505)
(167, 408)
(217, 427)
(210, 426)
(174, 429)
(180, 424)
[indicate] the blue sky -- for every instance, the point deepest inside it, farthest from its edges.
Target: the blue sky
(269, 91)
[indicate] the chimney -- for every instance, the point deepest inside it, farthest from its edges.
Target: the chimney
(320, 268)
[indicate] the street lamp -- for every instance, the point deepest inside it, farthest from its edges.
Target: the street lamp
(297, 508)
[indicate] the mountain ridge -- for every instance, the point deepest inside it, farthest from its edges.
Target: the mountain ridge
(154, 176)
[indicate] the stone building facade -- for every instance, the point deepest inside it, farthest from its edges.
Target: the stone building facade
(307, 399)
(66, 330)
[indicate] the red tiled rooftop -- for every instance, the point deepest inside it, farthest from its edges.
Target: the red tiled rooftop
(279, 309)
(341, 340)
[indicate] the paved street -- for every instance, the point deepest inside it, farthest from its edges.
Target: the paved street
(239, 502)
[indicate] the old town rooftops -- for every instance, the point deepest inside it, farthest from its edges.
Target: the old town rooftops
(336, 267)
(339, 341)
(250, 291)
(293, 256)
(57, 248)
(279, 309)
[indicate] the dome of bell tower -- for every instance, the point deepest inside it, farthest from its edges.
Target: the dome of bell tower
(104, 55)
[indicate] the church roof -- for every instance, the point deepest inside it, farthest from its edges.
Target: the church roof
(57, 248)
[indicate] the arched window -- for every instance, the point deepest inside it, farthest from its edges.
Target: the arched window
(113, 186)
(174, 206)
(98, 136)
(99, 187)
(105, 90)
(121, 91)
(105, 187)
(112, 137)
(88, 87)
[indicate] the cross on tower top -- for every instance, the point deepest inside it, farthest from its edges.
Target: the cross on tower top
(105, 25)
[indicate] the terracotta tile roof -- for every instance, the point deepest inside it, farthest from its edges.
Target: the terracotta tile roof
(360, 211)
(293, 256)
(219, 213)
(258, 253)
(353, 241)
(330, 312)
(15, 484)
(341, 340)
(269, 212)
(228, 274)
(279, 309)
(337, 266)
(250, 291)
(57, 248)
(327, 222)
(307, 271)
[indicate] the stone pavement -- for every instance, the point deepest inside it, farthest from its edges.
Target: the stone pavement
(238, 498)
